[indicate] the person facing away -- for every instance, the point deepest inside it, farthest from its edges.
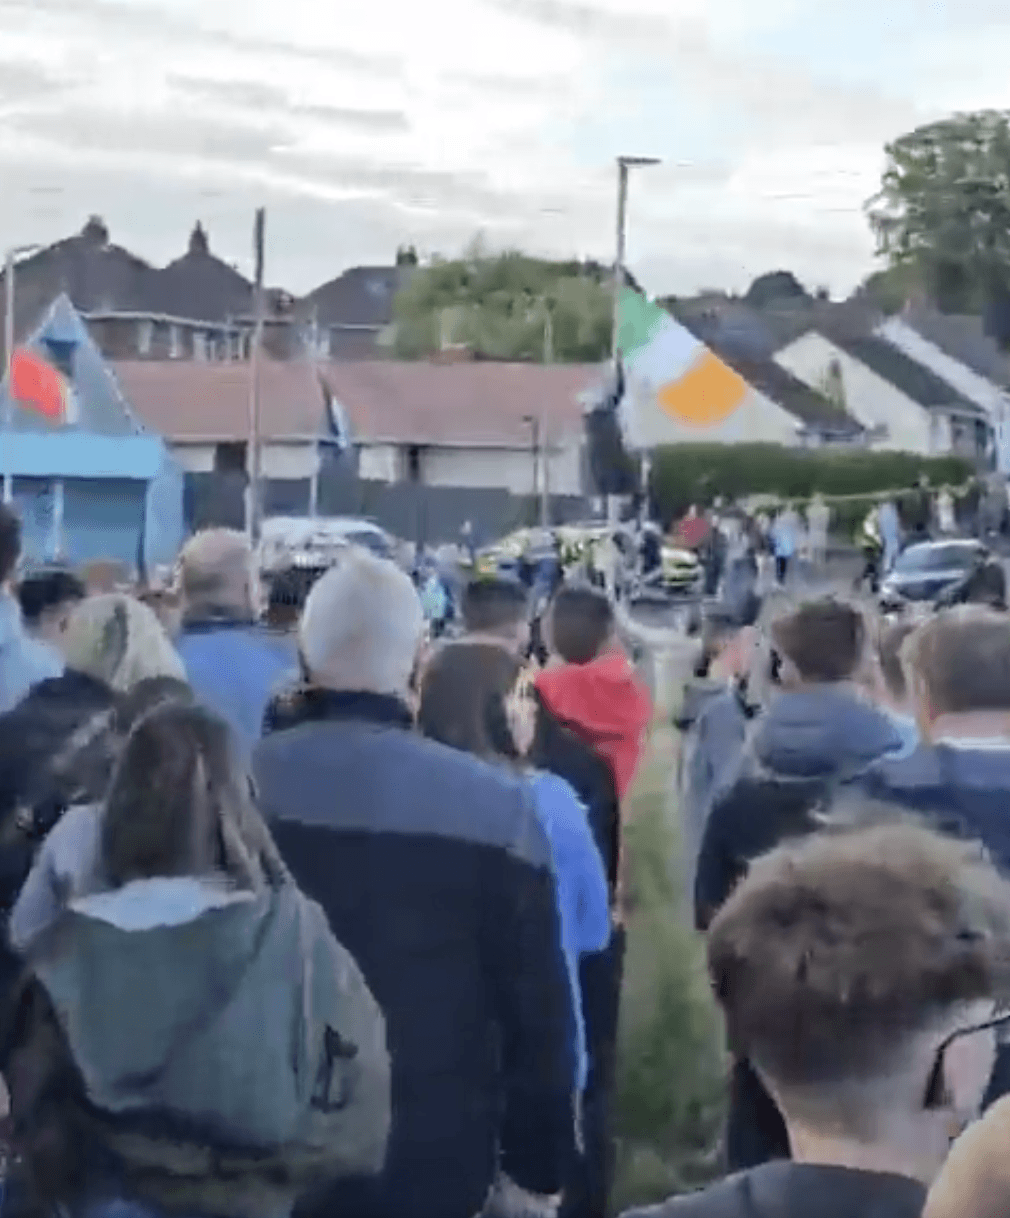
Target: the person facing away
(57, 746)
(590, 696)
(713, 722)
(595, 690)
(192, 1039)
(47, 599)
(817, 733)
(24, 660)
(231, 665)
(785, 542)
(495, 610)
(470, 701)
(890, 532)
(435, 872)
(67, 862)
(859, 971)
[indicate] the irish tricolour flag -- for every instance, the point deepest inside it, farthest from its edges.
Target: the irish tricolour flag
(673, 382)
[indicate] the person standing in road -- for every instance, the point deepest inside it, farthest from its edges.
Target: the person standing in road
(231, 662)
(435, 873)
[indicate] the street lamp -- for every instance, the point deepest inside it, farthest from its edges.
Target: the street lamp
(533, 423)
(624, 163)
(16, 251)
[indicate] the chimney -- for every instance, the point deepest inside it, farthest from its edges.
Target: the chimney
(95, 231)
(198, 244)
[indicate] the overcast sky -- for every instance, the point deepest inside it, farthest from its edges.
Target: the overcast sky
(367, 123)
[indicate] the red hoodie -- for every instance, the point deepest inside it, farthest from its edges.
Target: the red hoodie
(606, 704)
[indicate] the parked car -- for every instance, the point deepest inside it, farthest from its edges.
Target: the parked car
(316, 542)
(925, 572)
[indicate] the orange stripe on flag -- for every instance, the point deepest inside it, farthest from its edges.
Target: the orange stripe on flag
(37, 386)
(705, 395)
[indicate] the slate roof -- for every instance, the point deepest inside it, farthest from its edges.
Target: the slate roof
(962, 338)
(102, 407)
(913, 379)
(361, 296)
(741, 338)
(200, 285)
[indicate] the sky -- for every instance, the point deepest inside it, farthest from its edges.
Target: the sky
(364, 126)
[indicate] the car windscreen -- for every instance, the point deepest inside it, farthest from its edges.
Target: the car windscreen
(923, 559)
(370, 541)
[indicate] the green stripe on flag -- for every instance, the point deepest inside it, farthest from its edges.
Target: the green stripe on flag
(638, 321)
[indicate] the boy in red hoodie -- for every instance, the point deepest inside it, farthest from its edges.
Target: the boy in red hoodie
(594, 715)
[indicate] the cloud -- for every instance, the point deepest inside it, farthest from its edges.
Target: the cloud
(254, 95)
(151, 21)
(366, 126)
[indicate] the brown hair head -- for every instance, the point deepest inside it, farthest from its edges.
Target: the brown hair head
(463, 699)
(180, 804)
(962, 658)
(824, 639)
(836, 948)
(582, 621)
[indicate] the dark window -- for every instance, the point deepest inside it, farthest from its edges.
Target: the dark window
(61, 355)
(230, 457)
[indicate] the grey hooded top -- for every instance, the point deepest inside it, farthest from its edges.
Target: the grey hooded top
(232, 1019)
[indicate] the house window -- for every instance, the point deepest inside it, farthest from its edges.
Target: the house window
(174, 342)
(145, 337)
(230, 457)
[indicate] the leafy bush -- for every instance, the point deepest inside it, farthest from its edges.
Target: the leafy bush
(683, 474)
(671, 1071)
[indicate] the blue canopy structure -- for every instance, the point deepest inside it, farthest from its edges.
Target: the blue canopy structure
(102, 487)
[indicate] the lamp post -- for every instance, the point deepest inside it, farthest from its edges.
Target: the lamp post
(624, 163)
(16, 251)
(533, 423)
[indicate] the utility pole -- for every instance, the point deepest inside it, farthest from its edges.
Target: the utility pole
(255, 446)
(624, 163)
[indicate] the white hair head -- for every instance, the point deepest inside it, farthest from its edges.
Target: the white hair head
(362, 627)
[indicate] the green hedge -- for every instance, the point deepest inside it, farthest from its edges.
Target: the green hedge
(683, 474)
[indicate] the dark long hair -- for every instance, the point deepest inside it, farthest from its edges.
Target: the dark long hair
(463, 699)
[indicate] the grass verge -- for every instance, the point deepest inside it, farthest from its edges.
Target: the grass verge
(671, 1068)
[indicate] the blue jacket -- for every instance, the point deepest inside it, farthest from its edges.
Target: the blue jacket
(581, 888)
(234, 669)
(962, 790)
(807, 743)
(24, 661)
(435, 873)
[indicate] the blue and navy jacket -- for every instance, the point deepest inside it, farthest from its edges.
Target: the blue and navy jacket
(435, 873)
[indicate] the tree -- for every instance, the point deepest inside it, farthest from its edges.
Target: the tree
(406, 255)
(774, 288)
(507, 306)
(944, 208)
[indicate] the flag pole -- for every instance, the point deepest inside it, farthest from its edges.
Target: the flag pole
(9, 359)
(255, 454)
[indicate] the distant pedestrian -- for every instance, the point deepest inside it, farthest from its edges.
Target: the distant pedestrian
(785, 540)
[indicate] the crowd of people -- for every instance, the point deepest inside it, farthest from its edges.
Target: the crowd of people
(310, 913)
(307, 912)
